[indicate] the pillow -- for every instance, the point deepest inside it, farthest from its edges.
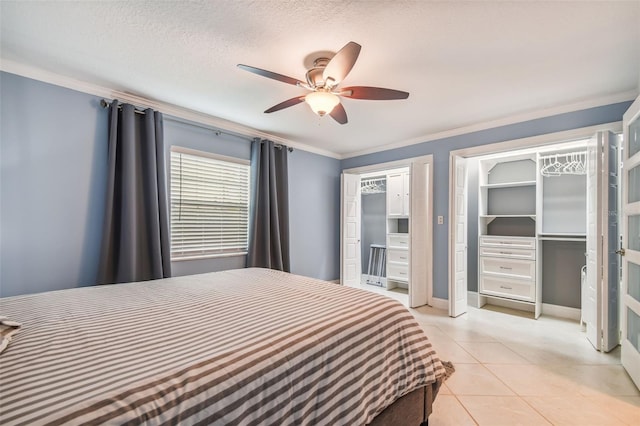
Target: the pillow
(7, 329)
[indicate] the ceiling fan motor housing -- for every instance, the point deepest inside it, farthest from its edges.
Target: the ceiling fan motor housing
(314, 74)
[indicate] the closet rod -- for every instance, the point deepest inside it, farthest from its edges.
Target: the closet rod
(564, 154)
(568, 163)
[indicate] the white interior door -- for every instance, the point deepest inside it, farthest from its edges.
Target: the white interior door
(350, 235)
(630, 288)
(600, 312)
(458, 240)
(610, 238)
(420, 231)
(592, 309)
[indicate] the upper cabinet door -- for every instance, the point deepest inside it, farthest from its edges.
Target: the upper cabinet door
(406, 184)
(630, 250)
(395, 195)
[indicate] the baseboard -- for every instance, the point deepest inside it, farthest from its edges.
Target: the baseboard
(506, 303)
(547, 308)
(561, 311)
(438, 303)
(472, 298)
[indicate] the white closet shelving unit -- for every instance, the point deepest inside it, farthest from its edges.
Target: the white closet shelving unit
(532, 210)
(398, 238)
(507, 252)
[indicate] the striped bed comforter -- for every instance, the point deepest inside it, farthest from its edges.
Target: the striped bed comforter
(249, 347)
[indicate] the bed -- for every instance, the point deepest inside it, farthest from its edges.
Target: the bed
(247, 347)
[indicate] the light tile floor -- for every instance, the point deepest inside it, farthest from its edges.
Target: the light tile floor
(514, 370)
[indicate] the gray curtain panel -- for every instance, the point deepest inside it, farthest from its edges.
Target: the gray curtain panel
(269, 212)
(135, 238)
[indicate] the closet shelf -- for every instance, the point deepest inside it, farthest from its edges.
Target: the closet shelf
(495, 216)
(509, 184)
(562, 237)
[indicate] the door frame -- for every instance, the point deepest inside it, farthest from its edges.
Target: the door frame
(510, 145)
(380, 167)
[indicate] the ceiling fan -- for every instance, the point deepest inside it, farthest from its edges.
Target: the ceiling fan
(323, 79)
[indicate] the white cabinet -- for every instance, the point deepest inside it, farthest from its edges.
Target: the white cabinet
(507, 272)
(398, 194)
(397, 259)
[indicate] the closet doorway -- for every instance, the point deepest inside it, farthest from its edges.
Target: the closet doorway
(386, 228)
(547, 213)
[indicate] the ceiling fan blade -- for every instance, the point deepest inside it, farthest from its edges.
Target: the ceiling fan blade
(372, 93)
(286, 104)
(339, 114)
(340, 65)
(269, 74)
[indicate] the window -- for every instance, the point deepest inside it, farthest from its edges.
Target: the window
(209, 204)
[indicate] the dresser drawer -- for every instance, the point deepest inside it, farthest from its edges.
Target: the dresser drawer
(525, 269)
(397, 272)
(505, 287)
(512, 253)
(510, 242)
(398, 240)
(398, 255)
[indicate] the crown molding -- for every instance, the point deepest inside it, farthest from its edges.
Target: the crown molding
(166, 108)
(519, 118)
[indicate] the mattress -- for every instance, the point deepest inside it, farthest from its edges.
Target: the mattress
(241, 347)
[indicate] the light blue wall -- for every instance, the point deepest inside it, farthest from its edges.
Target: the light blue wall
(314, 206)
(53, 153)
(440, 149)
(52, 186)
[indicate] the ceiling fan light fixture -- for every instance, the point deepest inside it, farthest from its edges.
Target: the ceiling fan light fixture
(321, 102)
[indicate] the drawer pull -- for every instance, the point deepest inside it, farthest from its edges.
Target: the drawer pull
(403, 258)
(402, 273)
(505, 252)
(506, 268)
(506, 287)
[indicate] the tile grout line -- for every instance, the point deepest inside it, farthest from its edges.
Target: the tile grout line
(466, 410)
(536, 410)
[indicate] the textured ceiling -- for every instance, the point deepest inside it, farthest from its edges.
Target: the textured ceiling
(463, 62)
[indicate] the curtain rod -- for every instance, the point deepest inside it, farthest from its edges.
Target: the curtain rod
(276, 145)
(140, 110)
(280, 146)
(106, 104)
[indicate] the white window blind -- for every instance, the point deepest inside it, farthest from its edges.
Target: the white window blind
(209, 206)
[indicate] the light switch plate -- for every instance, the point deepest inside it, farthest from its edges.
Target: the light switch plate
(440, 220)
